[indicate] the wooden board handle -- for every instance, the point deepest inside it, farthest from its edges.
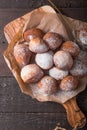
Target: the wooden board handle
(74, 114)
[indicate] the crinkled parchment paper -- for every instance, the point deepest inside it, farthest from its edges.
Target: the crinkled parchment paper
(46, 19)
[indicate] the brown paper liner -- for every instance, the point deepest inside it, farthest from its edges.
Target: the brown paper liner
(46, 19)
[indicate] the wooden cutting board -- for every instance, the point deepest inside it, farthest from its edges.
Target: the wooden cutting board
(74, 115)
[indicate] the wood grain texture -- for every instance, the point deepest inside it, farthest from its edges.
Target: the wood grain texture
(70, 3)
(37, 3)
(11, 100)
(33, 121)
(22, 4)
(18, 111)
(74, 115)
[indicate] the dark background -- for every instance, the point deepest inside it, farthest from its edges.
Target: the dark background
(21, 112)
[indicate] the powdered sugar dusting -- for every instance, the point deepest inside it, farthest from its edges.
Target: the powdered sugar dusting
(26, 43)
(78, 69)
(30, 37)
(31, 73)
(58, 73)
(22, 53)
(63, 60)
(53, 40)
(48, 85)
(82, 57)
(83, 36)
(75, 47)
(37, 45)
(69, 83)
(71, 47)
(60, 96)
(45, 60)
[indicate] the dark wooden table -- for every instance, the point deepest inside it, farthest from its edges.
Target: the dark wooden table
(21, 112)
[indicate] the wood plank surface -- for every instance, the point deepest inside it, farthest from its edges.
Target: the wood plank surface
(37, 3)
(19, 111)
(12, 100)
(33, 121)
